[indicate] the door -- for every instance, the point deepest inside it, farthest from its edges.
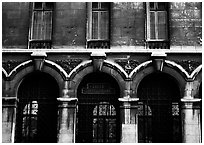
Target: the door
(159, 110)
(37, 109)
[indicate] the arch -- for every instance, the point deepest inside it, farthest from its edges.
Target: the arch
(21, 66)
(139, 68)
(147, 69)
(178, 68)
(4, 73)
(86, 67)
(197, 73)
(58, 68)
(27, 67)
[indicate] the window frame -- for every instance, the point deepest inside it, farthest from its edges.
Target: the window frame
(90, 22)
(156, 29)
(43, 39)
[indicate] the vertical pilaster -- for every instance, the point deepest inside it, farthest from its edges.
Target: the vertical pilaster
(67, 115)
(8, 119)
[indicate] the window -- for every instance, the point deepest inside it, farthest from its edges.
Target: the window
(41, 26)
(157, 25)
(98, 25)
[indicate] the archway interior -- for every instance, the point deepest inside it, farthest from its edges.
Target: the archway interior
(37, 109)
(159, 109)
(98, 109)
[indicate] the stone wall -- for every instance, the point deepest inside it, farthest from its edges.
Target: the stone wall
(15, 24)
(186, 23)
(127, 24)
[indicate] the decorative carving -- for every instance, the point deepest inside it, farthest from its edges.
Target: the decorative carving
(127, 65)
(10, 65)
(38, 44)
(69, 64)
(189, 65)
(102, 44)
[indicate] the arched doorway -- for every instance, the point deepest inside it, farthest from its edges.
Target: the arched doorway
(37, 109)
(98, 109)
(159, 109)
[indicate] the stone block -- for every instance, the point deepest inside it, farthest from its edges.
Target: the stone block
(129, 133)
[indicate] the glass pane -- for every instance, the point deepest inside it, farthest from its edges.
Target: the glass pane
(47, 27)
(38, 5)
(49, 6)
(95, 25)
(152, 25)
(37, 25)
(162, 25)
(105, 5)
(95, 5)
(29, 124)
(152, 6)
(104, 23)
(161, 6)
(111, 130)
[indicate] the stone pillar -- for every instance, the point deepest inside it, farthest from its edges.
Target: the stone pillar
(8, 119)
(67, 120)
(191, 122)
(190, 113)
(128, 120)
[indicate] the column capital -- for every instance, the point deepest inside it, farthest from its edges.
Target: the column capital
(190, 100)
(67, 102)
(66, 99)
(128, 99)
(190, 103)
(9, 101)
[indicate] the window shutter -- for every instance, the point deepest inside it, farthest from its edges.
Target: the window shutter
(162, 28)
(95, 25)
(37, 25)
(152, 25)
(104, 25)
(47, 29)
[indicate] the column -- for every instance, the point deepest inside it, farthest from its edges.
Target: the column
(8, 119)
(191, 125)
(129, 120)
(190, 113)
(67, 117)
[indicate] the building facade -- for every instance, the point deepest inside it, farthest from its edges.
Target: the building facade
(124, 72)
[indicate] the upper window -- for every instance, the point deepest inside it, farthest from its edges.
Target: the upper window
(157, 21)
(41, 26)
(98, 25)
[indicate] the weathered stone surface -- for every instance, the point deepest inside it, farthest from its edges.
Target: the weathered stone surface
(15, 16)
(185, 23)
